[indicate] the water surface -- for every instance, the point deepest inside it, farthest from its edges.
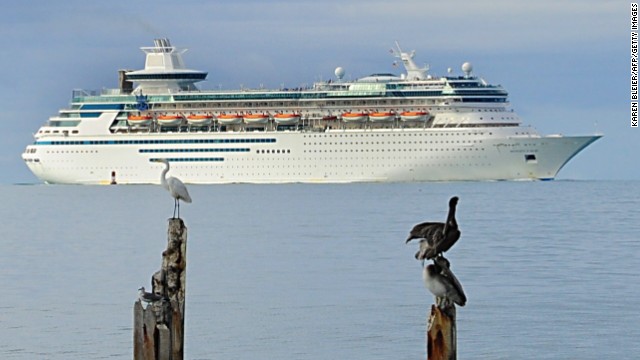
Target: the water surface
(322, 272)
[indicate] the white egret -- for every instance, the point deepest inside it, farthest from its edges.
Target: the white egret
(174, 186)
(436, 237)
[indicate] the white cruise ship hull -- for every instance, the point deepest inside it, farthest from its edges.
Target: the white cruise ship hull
(333, 156)
(379, 128)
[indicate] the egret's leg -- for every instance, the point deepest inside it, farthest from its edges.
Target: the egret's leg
(175, 201)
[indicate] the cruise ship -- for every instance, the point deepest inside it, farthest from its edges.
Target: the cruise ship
(379, 128)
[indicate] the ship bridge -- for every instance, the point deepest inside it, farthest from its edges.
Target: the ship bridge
(164, 71)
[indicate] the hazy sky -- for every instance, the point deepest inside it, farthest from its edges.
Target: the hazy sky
(566, 64)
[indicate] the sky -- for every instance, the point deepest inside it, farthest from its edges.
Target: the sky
(566, 64)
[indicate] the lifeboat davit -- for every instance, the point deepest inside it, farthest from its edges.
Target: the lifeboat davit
(199, 119)
(256, 118)
(287, 119)
(229, 119)
(169, 120)
(414, 116)
(381, 116)
(355, 117)
(139, 120)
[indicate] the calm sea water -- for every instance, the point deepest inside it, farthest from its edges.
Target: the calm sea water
(297, 271)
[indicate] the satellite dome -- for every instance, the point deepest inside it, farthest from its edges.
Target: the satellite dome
(467, 68)
(339, 72)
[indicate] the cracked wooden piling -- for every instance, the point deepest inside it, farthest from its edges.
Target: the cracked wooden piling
(441, 333)
(158, 330)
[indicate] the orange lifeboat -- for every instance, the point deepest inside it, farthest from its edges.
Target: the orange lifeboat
(256, 118)
(355, 117)
(139, 120)
(287, 119)
(229, 119)
(381, 116)
(169, 120)
(199, 119)
(414, 116)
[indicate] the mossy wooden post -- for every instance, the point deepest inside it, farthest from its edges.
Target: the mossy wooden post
(158, 330)
(441, 333)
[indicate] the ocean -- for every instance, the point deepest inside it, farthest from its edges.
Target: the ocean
(301, 271)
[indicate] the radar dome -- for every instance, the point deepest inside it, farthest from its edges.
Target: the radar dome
(339, 72)
(467, 68)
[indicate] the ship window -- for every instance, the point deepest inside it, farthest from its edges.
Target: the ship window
(530, 157)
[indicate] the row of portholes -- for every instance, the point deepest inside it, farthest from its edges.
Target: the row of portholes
(360, 165)
(310, 166)
(390, 160)
(398, 143)
(393, 150)
(57, 131)
(72, 151)
(396, 135)
(276, 151)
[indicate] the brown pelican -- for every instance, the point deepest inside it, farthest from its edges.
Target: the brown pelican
(441, 282)
(436, 237)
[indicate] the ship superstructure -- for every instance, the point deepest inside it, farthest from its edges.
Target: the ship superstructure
(382, 127)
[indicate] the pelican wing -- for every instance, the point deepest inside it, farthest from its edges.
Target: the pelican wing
(425, 230)
(447, 241)
(456, 294)
(426, 247)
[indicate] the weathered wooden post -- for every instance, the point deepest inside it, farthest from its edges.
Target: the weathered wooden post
(441, 333)
(158, 330)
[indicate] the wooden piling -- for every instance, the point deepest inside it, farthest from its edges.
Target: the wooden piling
(441, 333)
(158, 330)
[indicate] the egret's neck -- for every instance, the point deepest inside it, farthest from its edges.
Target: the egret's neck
(163, 177)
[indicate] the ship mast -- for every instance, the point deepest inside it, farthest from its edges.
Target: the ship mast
(413, 71)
